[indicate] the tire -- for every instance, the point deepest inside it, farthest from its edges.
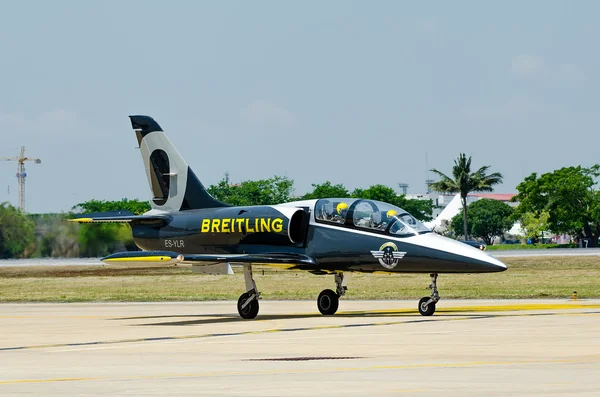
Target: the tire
(251, 310)
(426, 310)
(328, 302)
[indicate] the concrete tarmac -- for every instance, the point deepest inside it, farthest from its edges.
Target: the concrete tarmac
(491, 348)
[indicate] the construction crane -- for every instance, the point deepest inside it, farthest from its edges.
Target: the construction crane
(21, 175)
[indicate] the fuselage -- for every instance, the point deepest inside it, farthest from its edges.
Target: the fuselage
(358, 239)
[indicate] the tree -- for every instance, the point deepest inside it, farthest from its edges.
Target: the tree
(134, 206)
(420, 209)
(569, 197)
(326, 190)
(457, 228)
(464, 181)
(17, 232)
(102, 239)
(56, 237)
(487, 219)
(270, 191)
(534, 225)
(377, 192)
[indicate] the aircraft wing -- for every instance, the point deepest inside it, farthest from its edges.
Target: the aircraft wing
(117, 217)
(266, 259)
(169, 258)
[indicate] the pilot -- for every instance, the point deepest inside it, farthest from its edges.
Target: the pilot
(389, 218)
(382, 219)
(340, 212)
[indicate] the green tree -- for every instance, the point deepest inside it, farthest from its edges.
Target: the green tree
(56, 238)
(326, 190)
(420, 209)
(464, 181)
(17, 232)
(486, 219)
(569, 197)
(534, 225)
(270, 191)
(457, 226)
(377, 192)
(135, 206)
(102, 239)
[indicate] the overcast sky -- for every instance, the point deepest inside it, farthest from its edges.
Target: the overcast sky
(357, 93)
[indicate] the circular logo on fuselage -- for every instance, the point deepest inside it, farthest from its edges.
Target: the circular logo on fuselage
(388, 255)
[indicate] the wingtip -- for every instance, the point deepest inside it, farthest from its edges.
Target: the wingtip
(81, 220)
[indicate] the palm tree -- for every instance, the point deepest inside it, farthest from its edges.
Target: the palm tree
(464, 181)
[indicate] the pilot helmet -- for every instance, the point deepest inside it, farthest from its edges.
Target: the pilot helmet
(341, 207)
(391, 213)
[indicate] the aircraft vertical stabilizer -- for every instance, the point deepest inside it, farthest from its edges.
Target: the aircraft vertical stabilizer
(440, 223)
(174, 185)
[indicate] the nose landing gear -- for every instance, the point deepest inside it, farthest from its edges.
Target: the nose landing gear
(427, 304)
(329, 301)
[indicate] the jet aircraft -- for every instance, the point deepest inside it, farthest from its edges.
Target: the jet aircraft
(186, 225)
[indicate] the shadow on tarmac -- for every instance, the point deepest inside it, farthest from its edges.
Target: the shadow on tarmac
(199, 319)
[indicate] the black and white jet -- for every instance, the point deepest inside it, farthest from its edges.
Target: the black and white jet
(328, 236)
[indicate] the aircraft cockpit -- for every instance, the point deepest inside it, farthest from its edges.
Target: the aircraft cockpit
(370, 215)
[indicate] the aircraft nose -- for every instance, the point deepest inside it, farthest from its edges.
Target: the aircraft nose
(485, 261)
(474, 259)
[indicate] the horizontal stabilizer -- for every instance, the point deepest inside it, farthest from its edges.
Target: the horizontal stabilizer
(118, 217)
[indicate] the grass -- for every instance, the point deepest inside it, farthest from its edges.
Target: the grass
(535, 277)
(509, 247)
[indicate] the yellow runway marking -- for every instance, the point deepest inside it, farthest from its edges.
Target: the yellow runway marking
(55, 317)
(304, 371)
(487, 308)
(524, 307)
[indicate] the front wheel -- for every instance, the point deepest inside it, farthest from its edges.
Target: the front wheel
(426, 309)
(251, 310)
(328, 302)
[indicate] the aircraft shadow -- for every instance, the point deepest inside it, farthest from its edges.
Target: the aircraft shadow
(200, 319)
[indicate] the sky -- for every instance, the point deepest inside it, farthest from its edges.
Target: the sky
(351, 92)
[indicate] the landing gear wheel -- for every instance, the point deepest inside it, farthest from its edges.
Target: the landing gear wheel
(251, 310)
(426, 309)
(328, 302)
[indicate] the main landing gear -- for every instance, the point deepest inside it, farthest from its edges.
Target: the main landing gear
(329, 301)
(427, 304)
(248, 302)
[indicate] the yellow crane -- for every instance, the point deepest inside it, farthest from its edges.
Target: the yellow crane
(21, 175)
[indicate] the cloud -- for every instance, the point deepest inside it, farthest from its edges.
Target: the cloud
(515, 107)
(58, 121)
(570, 72)
(264, 112)
(427, 25)
(526, 65)
(58, 118)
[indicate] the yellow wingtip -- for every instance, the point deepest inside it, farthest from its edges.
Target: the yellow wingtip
(82, 220)
(149, 259)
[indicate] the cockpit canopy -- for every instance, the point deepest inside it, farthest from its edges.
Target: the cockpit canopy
(366, 214)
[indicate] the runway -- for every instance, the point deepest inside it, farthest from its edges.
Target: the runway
(545, 252)
(492, 348)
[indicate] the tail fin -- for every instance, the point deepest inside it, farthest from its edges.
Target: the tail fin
(174, 185)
